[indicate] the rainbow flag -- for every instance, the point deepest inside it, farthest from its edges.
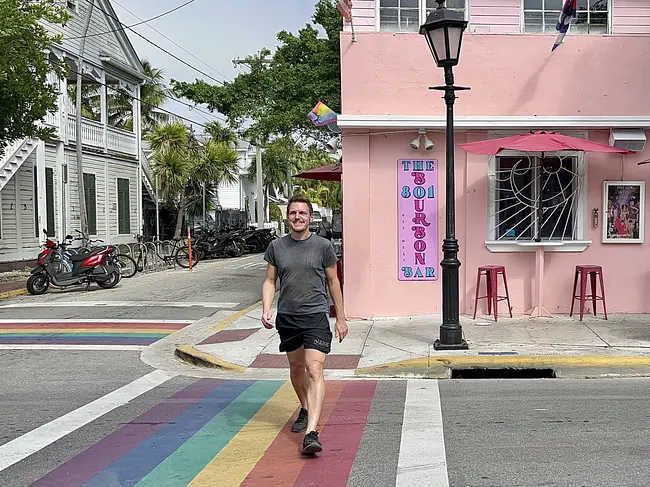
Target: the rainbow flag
(322, 115)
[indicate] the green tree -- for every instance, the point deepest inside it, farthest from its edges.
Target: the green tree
(184, 166)
(25, 95)
(326, 193)
(221, 133)
(276, 95)
(280, 157)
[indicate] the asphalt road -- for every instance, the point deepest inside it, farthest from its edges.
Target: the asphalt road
(72, 417)
(231, 284)
(182, 430)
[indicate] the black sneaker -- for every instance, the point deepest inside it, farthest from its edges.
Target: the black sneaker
(301, 423)
(311, 444)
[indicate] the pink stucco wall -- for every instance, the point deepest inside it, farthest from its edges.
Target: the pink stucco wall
(370, 228)
(385, 74)
(504, 16)
(509, 75)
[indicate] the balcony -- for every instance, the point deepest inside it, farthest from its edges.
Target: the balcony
(93, 136)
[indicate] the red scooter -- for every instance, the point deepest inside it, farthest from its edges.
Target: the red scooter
(96, 266)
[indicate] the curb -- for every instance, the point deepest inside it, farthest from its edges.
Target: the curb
(441, 367)
(13, 294)
(196, 357)
(190, 354)
(235, 316)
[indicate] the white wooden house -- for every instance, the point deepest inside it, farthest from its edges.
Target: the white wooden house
(38, 180)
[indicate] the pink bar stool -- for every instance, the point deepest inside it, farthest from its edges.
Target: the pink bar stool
(582, 272)
(491, 272)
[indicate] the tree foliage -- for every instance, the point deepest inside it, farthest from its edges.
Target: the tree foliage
(275, 95)
(183, 166)
(25, 95)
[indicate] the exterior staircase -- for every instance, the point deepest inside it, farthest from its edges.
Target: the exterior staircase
(13, 157)
(147, 175)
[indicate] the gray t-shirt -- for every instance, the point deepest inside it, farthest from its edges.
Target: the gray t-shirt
(301, 270)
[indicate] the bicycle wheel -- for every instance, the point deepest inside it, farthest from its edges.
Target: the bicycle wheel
(183, 257)
(127, 265)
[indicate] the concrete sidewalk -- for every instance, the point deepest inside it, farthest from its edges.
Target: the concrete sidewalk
(403, 347)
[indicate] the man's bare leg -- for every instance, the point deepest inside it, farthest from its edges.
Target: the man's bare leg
(300, 385)
(314, 361)
(299, 375)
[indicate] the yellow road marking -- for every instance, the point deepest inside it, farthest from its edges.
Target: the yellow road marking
(231, 466)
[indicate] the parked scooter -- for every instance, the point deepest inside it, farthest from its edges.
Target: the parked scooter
(97, 266)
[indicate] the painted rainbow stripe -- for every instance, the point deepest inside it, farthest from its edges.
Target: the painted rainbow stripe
(88, 332)
(230, 434)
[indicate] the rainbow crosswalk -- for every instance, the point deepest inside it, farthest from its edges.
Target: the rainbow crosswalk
(87, 332)
(237, 433)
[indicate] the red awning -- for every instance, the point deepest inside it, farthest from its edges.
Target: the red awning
(538, 142)
(331, 172)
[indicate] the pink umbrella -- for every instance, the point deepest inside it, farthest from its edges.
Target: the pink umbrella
(540, 141)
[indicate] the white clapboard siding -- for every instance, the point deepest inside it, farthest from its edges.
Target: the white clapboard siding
(29, 236)
(95, 44)
(126, 170)
(8, 242)
(229, 195)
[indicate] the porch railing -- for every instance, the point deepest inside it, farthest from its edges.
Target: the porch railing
(92, 135)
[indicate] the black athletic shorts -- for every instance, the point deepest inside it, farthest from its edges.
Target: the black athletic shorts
(309, 331)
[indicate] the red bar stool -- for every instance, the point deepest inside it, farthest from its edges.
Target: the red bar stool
(491, 272)
(582, 272)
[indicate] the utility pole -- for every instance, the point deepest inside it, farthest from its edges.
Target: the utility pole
(83, 216)
(260, 194)
(258, 165)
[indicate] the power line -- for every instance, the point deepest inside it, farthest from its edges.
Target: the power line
(134, 25)
(161, 48)
(175, 43)
(133, 97)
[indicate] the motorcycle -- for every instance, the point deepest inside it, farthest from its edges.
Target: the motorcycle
(52, 268)
(257, 240)
(218, 246)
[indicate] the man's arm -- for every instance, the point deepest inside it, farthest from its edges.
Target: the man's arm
(268, 292)
(337, 296)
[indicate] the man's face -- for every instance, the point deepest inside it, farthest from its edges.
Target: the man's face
(299, 217)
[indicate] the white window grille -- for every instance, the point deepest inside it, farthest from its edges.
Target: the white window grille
(530, 199)
(542, 16)
(408, 15)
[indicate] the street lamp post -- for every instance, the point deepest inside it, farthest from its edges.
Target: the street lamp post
(443, 31)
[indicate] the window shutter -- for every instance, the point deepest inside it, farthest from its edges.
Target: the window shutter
(49, 198)
(123, 204)
(90, 192)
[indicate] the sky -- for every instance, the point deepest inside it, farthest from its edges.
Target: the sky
(215, 31)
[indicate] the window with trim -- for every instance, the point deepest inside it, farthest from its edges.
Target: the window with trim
(72, 4)
(123, 206)
(408, 15)
(90, 193)
(542, 15)
(530, 198)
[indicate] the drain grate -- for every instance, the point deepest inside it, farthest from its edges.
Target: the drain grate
(507, 373)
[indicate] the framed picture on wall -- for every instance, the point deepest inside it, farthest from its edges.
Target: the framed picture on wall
(624, 211)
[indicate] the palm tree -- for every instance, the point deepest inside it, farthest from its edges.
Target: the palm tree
(182, 165)
(221, 133)
(280, 157)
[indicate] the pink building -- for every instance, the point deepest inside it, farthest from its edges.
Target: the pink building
(594, 86)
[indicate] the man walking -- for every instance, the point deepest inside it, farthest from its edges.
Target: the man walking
(304, 262)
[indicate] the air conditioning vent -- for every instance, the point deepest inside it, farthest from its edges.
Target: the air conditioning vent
(629, 139)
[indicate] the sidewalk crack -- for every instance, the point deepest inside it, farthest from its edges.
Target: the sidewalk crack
(601, 338)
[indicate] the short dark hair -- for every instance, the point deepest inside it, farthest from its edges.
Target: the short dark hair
(300, 198)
